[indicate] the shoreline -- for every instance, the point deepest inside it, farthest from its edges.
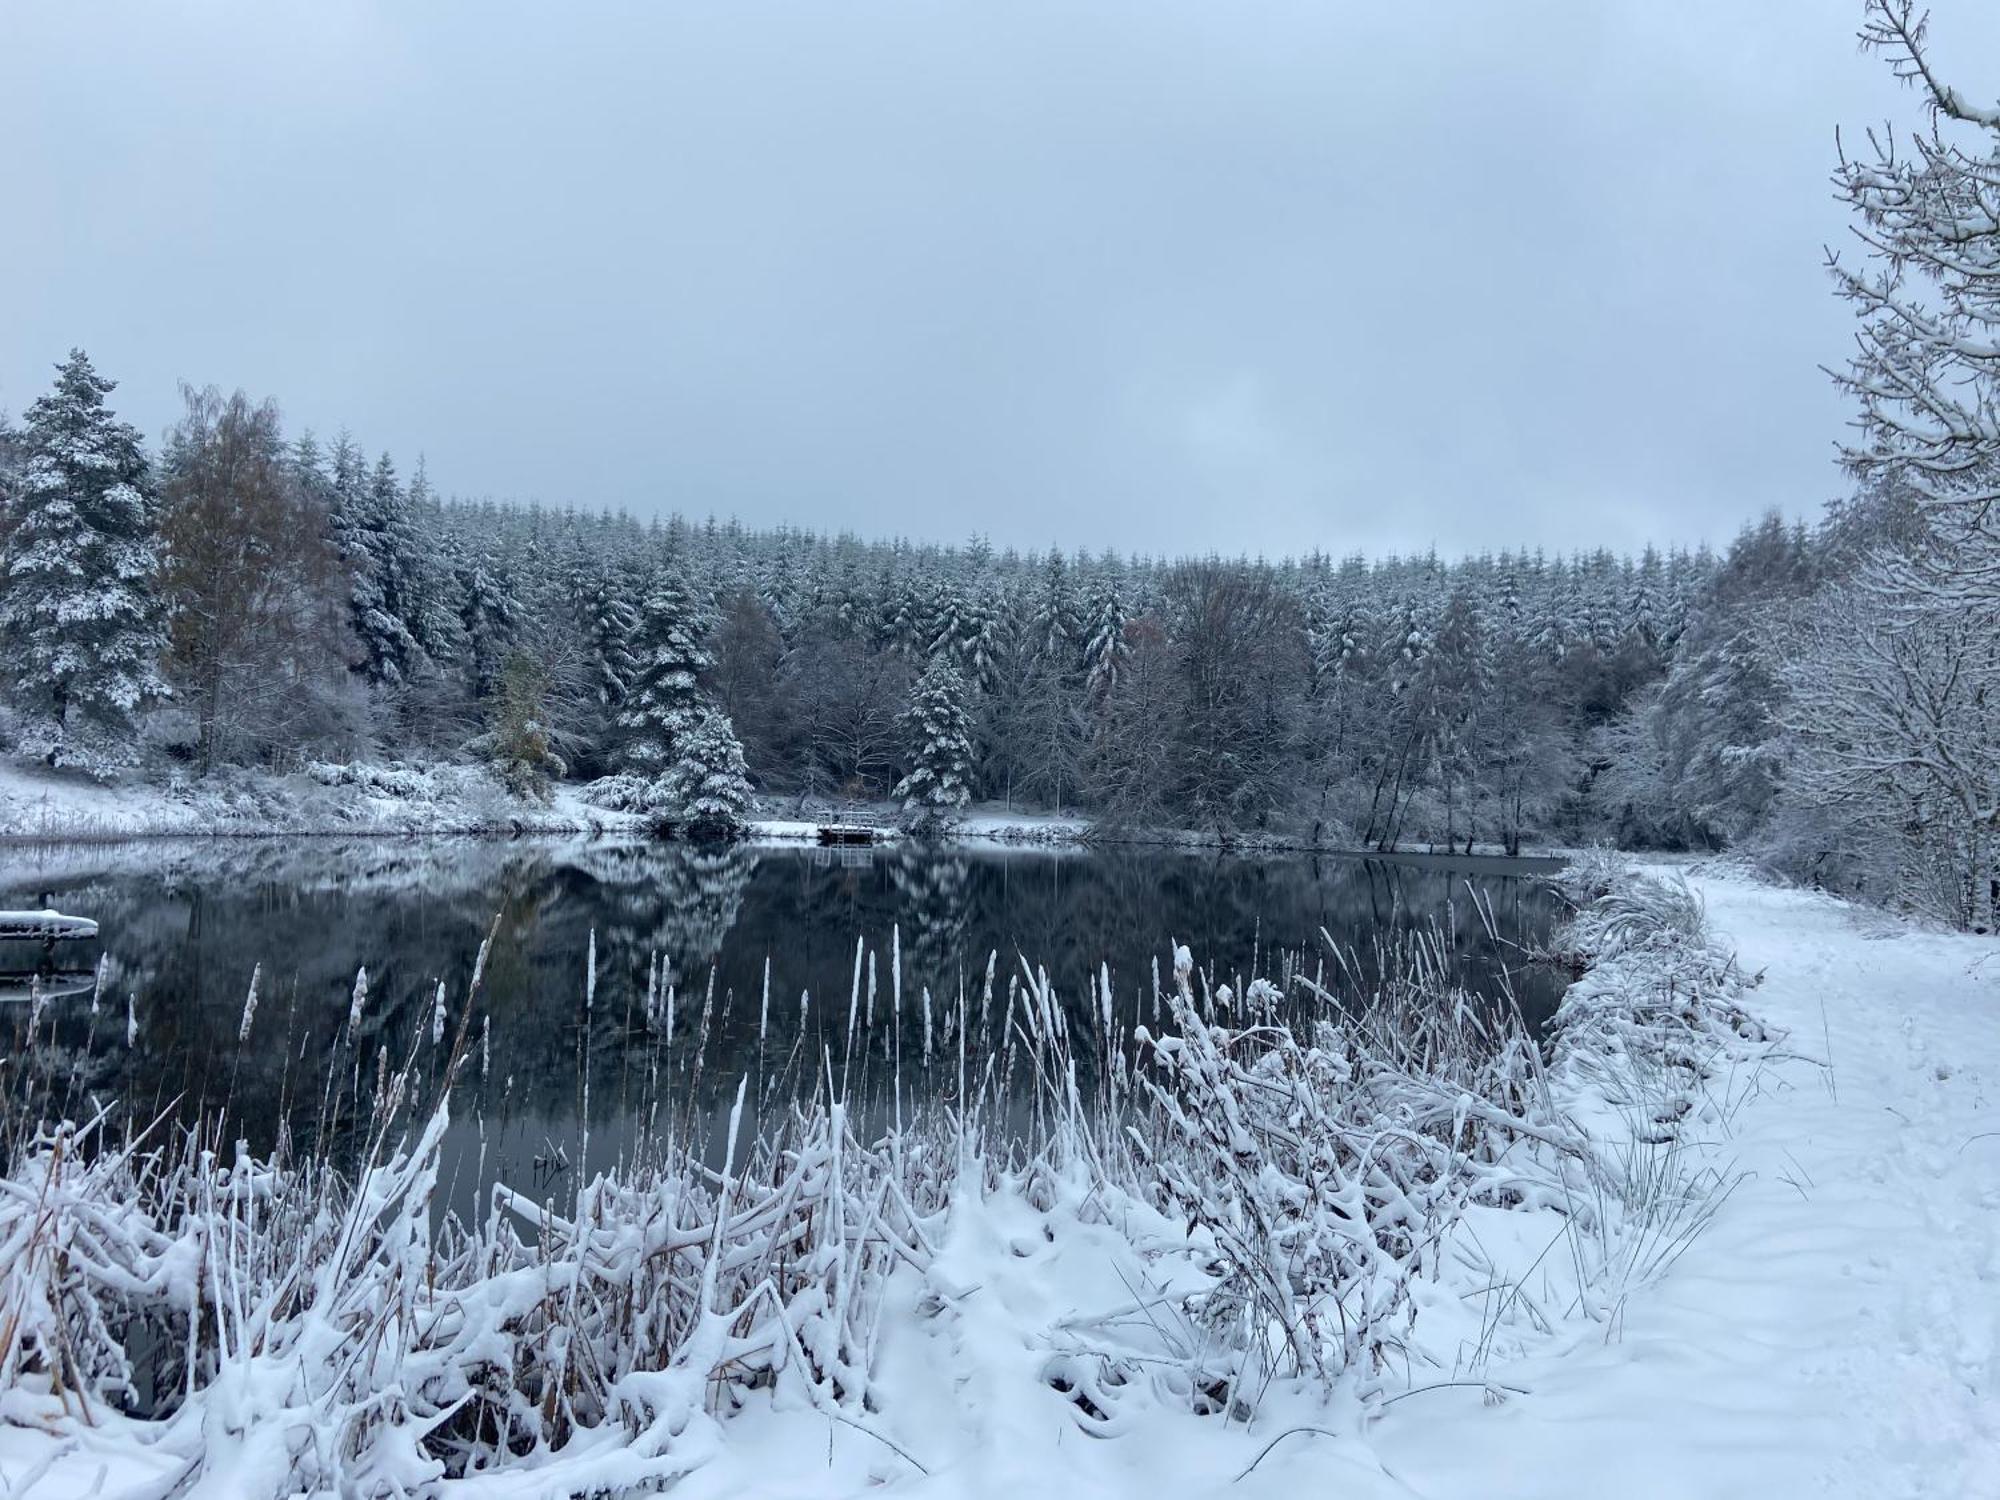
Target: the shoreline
(38, 809)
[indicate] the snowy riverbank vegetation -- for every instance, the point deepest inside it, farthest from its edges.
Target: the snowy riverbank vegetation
(1307, 1201)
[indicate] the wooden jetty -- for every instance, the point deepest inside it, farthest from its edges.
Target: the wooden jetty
(853, 829)
(45, 926)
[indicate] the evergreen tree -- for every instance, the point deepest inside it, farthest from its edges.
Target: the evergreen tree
(611, 620)
(79, 602)
(489, 618)
(938, 732)
(1053, 632)
(664, 702)
(379, 546)
(705, 793)
(432, 606)
(1106, 654)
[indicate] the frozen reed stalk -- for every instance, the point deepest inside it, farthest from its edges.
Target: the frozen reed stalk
(360, 998)
(871, 989)
(927, 1025)
(479, 960)
(854, 994)
(590, 975)
(485, 1046)
(437, 1016)
(249, 1005)
(764, 1005)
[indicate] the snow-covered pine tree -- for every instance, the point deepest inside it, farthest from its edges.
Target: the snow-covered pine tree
(664, 701)
(432, 608)
(1053, 631)
(79, 601)
(488, 615)
(1107, 655)
(705, 793)
(937, 730)
(378, 545)
(611, 621)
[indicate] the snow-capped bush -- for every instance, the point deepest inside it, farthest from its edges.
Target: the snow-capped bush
(623, 791)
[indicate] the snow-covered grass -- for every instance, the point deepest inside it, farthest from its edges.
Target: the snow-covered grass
(1264, 1239)
(39, 804)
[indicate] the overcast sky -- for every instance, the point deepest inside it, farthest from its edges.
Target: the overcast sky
(1169, 277)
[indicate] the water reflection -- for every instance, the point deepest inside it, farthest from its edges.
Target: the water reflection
(713, 965)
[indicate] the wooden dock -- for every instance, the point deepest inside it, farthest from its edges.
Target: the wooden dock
(853, 830)
(45, 926)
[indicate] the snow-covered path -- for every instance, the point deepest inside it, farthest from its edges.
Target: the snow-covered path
(1837, 1329)
(1835, 1332)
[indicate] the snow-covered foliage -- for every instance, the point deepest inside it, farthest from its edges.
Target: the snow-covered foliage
(938, 732)
(663, 701)
(705, 793)
(81, 619)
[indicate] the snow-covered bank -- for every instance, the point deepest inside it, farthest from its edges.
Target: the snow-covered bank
(42, 805)
(1836, 1330)
(54, 806)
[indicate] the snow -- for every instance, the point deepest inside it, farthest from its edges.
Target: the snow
(39, 804)
(1833, 1331)
(45, 923)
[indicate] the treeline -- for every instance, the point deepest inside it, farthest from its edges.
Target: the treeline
(240, 598)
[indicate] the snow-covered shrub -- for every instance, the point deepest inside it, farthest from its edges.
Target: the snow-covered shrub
(623, 791)
(1653, 1049)
(1330, 1166)
(1655, 982)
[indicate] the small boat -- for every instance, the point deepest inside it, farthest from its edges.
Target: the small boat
(45, 926)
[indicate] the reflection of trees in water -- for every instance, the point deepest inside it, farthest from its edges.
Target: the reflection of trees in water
(679, 902)
(190, 939)
(933, 901)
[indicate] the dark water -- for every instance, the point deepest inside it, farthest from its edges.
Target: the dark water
(183, 927)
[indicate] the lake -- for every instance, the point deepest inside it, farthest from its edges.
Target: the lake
(748, 955)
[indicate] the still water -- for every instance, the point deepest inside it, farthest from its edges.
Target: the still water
(748, 957)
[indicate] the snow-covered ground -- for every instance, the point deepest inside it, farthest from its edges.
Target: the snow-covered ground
(39, 804)
(61, 806)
